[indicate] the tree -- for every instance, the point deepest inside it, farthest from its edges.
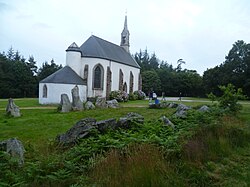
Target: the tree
(235, 70)
(151, 82)
(32, 64)
(179, 63)
(47, 69)
(230, 97)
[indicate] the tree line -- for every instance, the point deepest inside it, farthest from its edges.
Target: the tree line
(159, 76)
(19, 77)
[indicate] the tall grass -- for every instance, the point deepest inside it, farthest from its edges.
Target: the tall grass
(137, 165)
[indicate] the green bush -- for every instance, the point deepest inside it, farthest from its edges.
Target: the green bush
(133, 97)
(230, 97)
(120, 96)
(140, 95)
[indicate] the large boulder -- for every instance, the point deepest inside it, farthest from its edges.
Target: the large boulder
(12, 109)
(15, 148)
(89, 105)
(105, 125)
(129, 120)
(204, 108)
(101, 102)
(181, 114)
(113, 103)
(183, 107)
(65, 103)
(181, 111)
(76, 102)
(80, 130)
(167, 122)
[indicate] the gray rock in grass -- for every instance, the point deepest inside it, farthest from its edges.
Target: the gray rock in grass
(15, 148)
(12, 109)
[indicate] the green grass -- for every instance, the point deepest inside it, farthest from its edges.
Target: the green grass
(23, 102)
(203, 150)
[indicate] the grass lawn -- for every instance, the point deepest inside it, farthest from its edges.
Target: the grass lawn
(38, 127)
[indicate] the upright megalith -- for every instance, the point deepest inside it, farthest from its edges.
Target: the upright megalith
(65, 103)
(77, 104)
(15, 148)
(12, 109)
(101, 102)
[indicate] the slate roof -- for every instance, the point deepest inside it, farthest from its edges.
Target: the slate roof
(96, 47)
(64, 76)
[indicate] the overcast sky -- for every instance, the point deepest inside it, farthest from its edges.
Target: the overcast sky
(201, 32)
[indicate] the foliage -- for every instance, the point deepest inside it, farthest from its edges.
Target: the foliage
(47, 69)
(120, 96)
(132, 97)
(151, 81)
(19, 77)
(159, 76)
(235, 70)
(230, 97)
(140, 95)
(211, 96)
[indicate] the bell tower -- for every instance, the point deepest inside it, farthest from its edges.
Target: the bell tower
(125, 36)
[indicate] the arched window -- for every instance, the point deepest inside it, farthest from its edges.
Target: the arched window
(98, 77)
(45, 91)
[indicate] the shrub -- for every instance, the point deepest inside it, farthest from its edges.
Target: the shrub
(230, 97)
(133, 97)
(140, 95)
(120, 96)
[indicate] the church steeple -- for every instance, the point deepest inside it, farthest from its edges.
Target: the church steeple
(125, 36)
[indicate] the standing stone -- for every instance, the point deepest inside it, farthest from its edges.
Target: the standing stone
(12, 109)
(101, 102)
(65, 103)
(89, 105)
(15, 148)
(76, 102)
(113, 104)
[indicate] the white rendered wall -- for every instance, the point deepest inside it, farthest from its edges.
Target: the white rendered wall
(115, 68)
(73, 60)
(54, 92)
(92, 62)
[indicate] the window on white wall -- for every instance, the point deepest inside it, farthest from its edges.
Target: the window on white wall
(45, 91)
(98, 77)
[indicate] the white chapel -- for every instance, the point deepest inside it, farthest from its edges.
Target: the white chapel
(97, 67)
